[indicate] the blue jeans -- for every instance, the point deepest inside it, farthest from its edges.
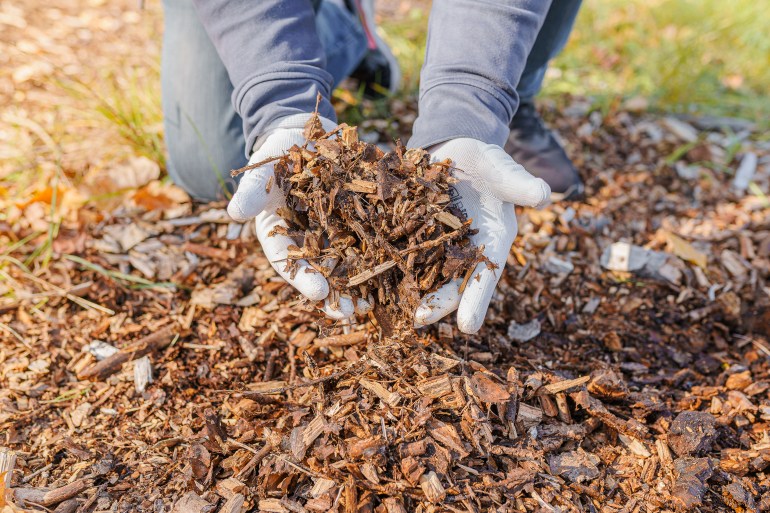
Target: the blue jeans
(204, 135)
(550, 41)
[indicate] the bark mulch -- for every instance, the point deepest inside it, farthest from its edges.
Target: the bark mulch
(158, 363)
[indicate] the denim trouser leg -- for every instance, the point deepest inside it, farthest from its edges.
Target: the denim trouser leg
(204, 135)
(550, 41)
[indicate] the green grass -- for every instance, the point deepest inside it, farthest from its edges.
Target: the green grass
(692, 56)
(695, 56)
(127, 101)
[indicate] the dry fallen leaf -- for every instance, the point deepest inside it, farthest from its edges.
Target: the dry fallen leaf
(684, 250)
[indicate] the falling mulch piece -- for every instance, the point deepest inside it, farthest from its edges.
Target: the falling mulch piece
(379, 226)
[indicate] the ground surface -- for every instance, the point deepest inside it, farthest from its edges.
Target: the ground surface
(258, 403)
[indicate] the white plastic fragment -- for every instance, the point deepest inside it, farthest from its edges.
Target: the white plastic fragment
(624, 257)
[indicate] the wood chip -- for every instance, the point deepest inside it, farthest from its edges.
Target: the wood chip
(563, 386)
(390, 398)
(432, 487)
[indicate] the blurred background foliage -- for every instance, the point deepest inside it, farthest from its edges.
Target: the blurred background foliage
(706, 57)
(80, 99)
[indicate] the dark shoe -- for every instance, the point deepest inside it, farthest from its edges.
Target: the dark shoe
(533, 146)
(378, 70)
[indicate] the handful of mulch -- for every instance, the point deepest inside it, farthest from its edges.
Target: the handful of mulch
(378, 226)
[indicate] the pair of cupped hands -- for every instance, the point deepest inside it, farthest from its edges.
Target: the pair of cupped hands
(490, 184)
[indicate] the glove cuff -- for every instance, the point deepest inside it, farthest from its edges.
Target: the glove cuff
(293, 122)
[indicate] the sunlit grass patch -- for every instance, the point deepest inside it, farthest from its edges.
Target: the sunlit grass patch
(128, 103)
(690, 56)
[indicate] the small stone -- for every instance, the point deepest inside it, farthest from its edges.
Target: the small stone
(636, 104)
(100, 349)
(684, 131)
(39, 365)
(745, 172)
(686, 172)
(80, 414)
(191, 502)
(739, 380)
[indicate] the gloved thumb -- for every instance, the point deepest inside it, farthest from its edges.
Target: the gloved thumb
(251, 196)
(508, 180)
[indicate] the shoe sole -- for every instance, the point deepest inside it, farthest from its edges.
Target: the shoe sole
(574, 193)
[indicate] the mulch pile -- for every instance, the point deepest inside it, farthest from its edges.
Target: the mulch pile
(623, 365)
(378, 226)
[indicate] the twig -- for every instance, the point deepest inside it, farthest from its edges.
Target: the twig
(432, 243)
(39, 471)
(151, 343)
(344, 340)
(255, 460)
(46, 497)
(360, 278)
(310, 383)
(236, 172)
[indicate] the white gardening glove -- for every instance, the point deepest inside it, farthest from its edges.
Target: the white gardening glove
(252, 200)
(490, 184)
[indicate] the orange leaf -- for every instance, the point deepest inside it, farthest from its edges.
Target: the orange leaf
(150, 201)
(685, 250)
(44, 195)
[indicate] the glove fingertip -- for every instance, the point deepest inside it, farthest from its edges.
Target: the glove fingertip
(363, 306)
(543, 196)
(469, 323)
(235, 211)
(313, 289)
(422, 314)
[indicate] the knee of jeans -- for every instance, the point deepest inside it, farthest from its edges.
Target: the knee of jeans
(203, 174)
